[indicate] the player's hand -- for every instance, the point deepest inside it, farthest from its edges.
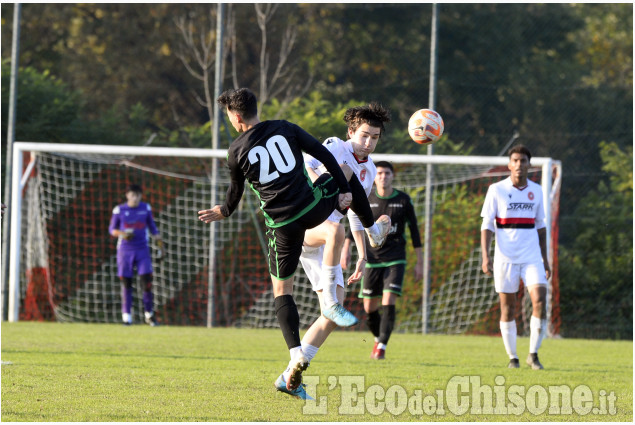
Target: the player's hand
(359, 272)
(344, 200)
(487, 266)
(213, 214)
(127, 234)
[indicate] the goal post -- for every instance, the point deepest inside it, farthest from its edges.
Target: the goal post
(63, 264)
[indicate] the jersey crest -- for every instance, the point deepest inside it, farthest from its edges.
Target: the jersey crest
(362, 175)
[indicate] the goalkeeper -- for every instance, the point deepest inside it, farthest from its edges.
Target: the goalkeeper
(131, 223)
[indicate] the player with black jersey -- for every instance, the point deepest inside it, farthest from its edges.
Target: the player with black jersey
(385, 269)
(269, 155)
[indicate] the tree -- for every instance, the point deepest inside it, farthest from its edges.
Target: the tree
(596, 272)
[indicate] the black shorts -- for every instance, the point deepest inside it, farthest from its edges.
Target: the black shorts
(378, 280)
(284, 245)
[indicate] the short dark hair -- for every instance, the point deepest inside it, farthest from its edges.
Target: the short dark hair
(521, 149)
(242, 101)
(373, 114)
(134, 188)
(384, 164)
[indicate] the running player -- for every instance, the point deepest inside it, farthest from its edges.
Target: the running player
(323, 244)
(513, 210)
(384, 273)
(131, 223)
(269, 155)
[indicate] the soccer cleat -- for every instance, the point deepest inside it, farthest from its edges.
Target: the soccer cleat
(378, 354)
(126, 318)
(377, 240)
(513, 364)
(151, 319)
(338, 314)
(532, 360)
(372, 353)
(299, 392)
(296, 367)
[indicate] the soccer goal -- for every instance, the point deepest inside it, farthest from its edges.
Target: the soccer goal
(63, 261)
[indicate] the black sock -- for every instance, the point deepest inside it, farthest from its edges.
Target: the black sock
(387, 323)
(373, 319)
(289, 319)
(360, 205)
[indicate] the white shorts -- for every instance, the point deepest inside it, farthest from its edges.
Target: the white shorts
(507, 276)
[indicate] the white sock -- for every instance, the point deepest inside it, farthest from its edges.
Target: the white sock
(538, 330)
(126, 317)
(329, 284)
(295, 351)
(381, 346)
(309, 351)
(373, 229)
(508, 332)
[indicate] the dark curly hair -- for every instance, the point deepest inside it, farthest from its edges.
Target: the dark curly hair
(373, 114)
(242, 101)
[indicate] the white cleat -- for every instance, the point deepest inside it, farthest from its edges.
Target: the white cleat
(377, 240)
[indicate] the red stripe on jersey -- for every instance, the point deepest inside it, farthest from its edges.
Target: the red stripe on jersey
(515, 220)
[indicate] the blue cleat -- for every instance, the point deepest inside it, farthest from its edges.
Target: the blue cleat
(299, 392)
(338, 314)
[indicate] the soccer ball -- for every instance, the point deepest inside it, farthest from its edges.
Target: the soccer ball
(425, 126)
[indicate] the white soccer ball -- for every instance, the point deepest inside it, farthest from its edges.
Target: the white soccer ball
(425, 126)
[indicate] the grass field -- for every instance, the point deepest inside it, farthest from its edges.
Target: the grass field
(89, 372)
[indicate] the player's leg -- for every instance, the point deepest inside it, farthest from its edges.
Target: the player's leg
(392, 283)
(371, 294)
(538, 322)
(320, 329)
(144, 269)
(508, 326)
(325, 273)
(507, 282)
(285, 245)
(125, 261)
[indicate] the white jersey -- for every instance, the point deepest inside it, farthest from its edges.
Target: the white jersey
(365, 171)
(514, 215)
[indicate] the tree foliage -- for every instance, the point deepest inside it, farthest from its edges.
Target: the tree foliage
(597, 269)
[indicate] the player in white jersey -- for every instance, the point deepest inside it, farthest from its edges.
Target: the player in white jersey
(323, 244)
(514, 211)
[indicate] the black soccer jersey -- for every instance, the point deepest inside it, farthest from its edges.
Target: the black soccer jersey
(269, 156)
(401, 211)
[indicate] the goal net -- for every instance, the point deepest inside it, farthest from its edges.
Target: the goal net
(63, 260)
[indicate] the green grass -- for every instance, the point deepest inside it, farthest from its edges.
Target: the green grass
(88, 372)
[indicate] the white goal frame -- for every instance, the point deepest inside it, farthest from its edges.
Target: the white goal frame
(19, 180)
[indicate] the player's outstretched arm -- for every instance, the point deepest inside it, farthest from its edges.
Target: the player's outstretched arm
(213, 214)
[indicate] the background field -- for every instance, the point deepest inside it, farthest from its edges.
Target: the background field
(87, 372)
